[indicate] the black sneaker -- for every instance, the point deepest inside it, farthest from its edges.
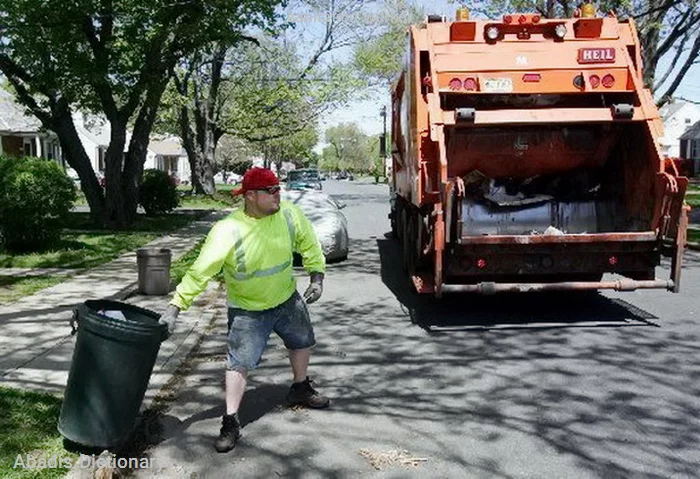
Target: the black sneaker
(304, 394)
(229, 434)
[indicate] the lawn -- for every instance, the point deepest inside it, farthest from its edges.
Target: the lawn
(693, 235)
(28, 429)
(82, 246)
(693, 198)
(13, 288)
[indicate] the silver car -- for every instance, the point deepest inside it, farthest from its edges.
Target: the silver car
(330, 224)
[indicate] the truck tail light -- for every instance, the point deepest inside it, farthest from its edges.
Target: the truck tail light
(536, 19)
(594, 81)
(455, 84)
(612, 260)
(507, 19)
(579, 82)
(522, 19)
(470, 84)
(608, 81)
(532, 77)
(481, 263)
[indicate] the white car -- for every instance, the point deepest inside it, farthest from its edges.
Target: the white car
(330, 224)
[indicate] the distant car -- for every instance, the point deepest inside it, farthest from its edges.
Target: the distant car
(330, 224)
(303, 179)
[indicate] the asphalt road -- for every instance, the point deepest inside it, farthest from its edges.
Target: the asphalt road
(546, 385)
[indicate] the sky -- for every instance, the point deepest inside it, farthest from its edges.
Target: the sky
(367, 113)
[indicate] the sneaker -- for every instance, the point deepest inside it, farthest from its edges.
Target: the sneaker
(304, 394)
(229, 434)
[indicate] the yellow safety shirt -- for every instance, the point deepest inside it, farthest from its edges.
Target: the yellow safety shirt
(256, 257)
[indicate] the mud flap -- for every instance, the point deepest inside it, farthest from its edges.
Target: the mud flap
(673, 222)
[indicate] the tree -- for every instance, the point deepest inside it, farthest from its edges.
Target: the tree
(348, 149)
(269, 77)
(379, 58)
(666, 27)
(231, 154)
(113, 57)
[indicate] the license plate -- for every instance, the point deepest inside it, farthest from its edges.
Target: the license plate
(498, 85)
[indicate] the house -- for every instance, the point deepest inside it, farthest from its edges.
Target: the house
(168, 155)
(163, 153)
(22, 134)
(690, 148)
(677, 117)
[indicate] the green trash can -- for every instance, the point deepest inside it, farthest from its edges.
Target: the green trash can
(114, 355)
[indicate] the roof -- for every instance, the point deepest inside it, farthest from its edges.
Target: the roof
(13, 117)
(670, 109)
(692, 133)
(166, 147)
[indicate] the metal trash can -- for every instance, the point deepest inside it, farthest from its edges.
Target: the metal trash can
(113, 359)
(154, 270)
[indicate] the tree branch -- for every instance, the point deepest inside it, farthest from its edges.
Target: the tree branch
(692, 56)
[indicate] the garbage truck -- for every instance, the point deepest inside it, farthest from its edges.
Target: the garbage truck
(525, 157)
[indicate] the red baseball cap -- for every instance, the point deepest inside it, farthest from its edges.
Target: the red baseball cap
(255, 179)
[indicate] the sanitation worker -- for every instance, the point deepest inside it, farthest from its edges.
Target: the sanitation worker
(254, 246)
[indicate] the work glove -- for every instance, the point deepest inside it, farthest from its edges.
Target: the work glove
(169, 318)
(315, 289)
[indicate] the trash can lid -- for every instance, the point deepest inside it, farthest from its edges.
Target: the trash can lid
(153, 252)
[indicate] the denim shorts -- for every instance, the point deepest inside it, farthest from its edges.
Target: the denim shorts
(248, 331)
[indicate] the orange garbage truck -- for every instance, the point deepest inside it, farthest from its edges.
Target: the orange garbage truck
(525, 158)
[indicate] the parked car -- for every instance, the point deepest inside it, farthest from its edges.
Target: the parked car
(305, 178)
(330, 224)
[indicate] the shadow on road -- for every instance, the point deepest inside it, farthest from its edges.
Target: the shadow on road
(504, 311)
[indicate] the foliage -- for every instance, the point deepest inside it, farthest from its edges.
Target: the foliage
(379, 59)
(35, 198)
(28, 426)
(348, 149)
(158, 192)
(112, 57)
(233, 155)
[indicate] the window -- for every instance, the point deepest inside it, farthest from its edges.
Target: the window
(694, 149)
(29, 147)
(687, 121)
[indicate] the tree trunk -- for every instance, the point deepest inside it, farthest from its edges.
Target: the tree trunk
(135, 158)
(115, 216)
(76, 157)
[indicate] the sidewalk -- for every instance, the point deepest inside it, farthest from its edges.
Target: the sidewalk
(36, 346)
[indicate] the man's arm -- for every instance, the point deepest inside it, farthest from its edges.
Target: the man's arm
(307, 245)
(209, 262)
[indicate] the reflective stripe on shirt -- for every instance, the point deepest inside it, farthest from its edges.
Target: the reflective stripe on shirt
(240, 274)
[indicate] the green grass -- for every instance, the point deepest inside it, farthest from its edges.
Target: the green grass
(693, 235)
(213, 202)
(83, 246)
(28, 427)
(13, 288)
(693, 198)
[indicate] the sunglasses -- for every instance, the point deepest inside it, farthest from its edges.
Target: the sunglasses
(270, 190)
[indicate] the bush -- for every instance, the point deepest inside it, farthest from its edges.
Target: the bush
(35, 199)
(158, 192)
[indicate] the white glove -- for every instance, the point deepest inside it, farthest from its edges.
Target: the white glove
(169, 318)
(313, 292)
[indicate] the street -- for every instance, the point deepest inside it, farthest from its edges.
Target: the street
(546, 385)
